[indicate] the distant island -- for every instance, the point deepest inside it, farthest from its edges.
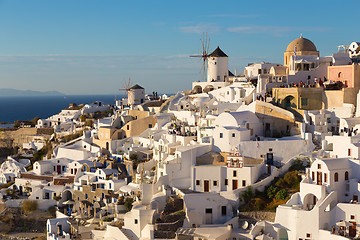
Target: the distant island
(8, 92)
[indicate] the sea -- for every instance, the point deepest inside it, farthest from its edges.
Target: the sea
(27, 108)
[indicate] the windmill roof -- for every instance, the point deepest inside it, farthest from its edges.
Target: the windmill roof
(136, 86)
(218, 53)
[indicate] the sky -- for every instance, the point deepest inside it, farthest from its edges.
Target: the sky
(93, 47)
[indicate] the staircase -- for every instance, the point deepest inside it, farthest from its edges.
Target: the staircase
(263, 176)
(128, 234)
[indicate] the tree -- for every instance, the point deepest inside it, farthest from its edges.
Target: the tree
(29, 206)
(292, 179)
(282, 194)
(35, 120)
(248, 194)
(89, 123)
(271, 191)
(128, 203)
(82, 118)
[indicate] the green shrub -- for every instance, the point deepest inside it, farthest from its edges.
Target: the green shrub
(259, 204)
(128, 203)
(89, 123)
(82, 118)
(57, 198)
(271, 191)
(248, 194)
(282, 194)
(52, 211)
(292, 179)
(121, 200)
(29, 206)
(280, 183)
(108, 219)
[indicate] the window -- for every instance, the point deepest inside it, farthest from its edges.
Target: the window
(234, 173)
(197, 182)
(259, 71)
(336, 177)
(325, 177)
(226, 182)
(128, 127)
(308, 235)
(346, 175)
(223, 210)
(304, 101)
(349, 152)
(328, 120)
(233, 135)
(150, 125)
(86, 196)
(352, 217)
(243, 183)
(319, 166)
(313, 176)
(221, 135)
(63, 168)
(136, 221)
(54, 168)
(270, 149)
(208, 210)
(215, 183)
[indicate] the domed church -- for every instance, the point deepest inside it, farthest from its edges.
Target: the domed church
(302, 46)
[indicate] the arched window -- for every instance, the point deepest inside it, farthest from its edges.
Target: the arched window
(339, 75)
(336, 177)
(346, 175)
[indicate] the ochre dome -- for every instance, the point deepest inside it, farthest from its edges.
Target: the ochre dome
(302, 44)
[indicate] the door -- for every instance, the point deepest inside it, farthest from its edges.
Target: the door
(234, 184)
(58, 169)
(269, 169)
(352, 230)
(355, 198)
(319, 178)
(208, 216)
(267, 130)
(206, 185)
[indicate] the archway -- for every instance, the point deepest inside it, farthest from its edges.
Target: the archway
(67, 195)
(197, 89)
(282, 234)
(290, 102)
(309, 202)
(208, 88)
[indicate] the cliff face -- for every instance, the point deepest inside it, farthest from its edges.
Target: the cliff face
(16, 138)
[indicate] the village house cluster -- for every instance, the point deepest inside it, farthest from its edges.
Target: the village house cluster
(175, 167)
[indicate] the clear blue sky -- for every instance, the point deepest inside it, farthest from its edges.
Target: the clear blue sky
(90, 47)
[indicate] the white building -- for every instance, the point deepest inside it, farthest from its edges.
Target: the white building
(328, 195)
(208, 208)
(58, 228)
(136, 95)
(217, 72)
